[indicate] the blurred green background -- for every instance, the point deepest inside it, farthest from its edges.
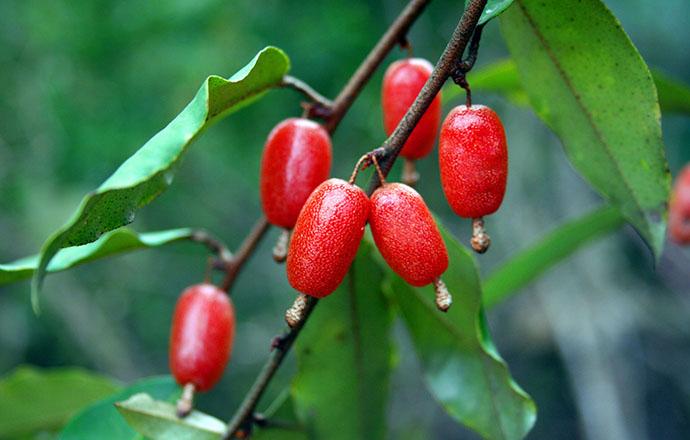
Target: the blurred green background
(602, 342)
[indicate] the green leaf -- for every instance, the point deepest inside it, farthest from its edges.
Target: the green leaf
(344, 358)
(674, 95)
(527, 265)
(493, 9)
(461, 366)
(587, 81)
(101, 420)
(502, 77)
(146, 174)
(111, 243)
(34, 399)
(158, 420)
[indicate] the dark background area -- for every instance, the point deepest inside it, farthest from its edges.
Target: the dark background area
(602, 342)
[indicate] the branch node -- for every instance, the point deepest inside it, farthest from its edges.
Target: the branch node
(280, 250)
(185, 403)
(480, 239)
(295, 314)
(443, 297)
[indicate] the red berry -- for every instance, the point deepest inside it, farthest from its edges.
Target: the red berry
(473, 157)
(296, 159)
(326, 237)
(406, 234)
(203, 329)
(679, 208)
(401, 84)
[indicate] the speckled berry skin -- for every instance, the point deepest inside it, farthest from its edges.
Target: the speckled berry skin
(679, 208)
(203, 329)
(473, 157)
(406, 234)
(296, 159)
(402, 83)
(326, 237)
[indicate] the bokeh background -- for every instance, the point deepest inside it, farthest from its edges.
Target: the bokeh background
(602, 342)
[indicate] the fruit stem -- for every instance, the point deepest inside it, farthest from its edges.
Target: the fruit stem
(480, 239)
(295, 314)
(358, 165)
(410, 176)
(280, 250)
(185, 403)
(443, 297)
(382, 178)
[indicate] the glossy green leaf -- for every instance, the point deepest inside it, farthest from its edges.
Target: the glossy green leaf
(111, 243)
(156, 420)
(102, 420)
(461, 366)
(34, 399)
(146, 174)
(674, 95)
(493, 9)
(502, 77)
(559, 244)
(344, 358)
(587, 81)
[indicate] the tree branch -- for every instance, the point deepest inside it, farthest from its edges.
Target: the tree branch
(242, 421)
(232, 268)
(395, 34)
(442, 71)
(318, 106)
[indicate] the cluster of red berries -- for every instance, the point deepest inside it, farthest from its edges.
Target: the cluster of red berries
(328, 217)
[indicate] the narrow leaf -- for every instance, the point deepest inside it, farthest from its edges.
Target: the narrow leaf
(493, 9)
(461, 366)
(344, 358)
(102, 420)
(502, 77)
(527, 265)
(146, 174)
(158, 420)
(587, 81)
(111, 243)
(34, 399)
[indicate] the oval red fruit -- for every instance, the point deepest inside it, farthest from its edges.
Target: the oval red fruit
(679, 208)
(473, 157)
(296, 159)
(406, 234)
(401, 84)
(326, 237)
(203, 329)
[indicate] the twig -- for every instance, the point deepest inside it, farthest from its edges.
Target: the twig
(232, 268)
(442, 71)
(243, 419)
(318, 106)
(395, 33)
(213, 244)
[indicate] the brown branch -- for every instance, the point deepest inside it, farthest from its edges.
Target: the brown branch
(395, 33)
(243, 420)
(318, 106)
(442, 71)
(232, 268)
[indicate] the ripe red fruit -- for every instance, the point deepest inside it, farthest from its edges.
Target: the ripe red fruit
(473, 157)
(326, 237)
(202, 333)
(296, 159)
(401, 84)
(406, 234)
(679, 208)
